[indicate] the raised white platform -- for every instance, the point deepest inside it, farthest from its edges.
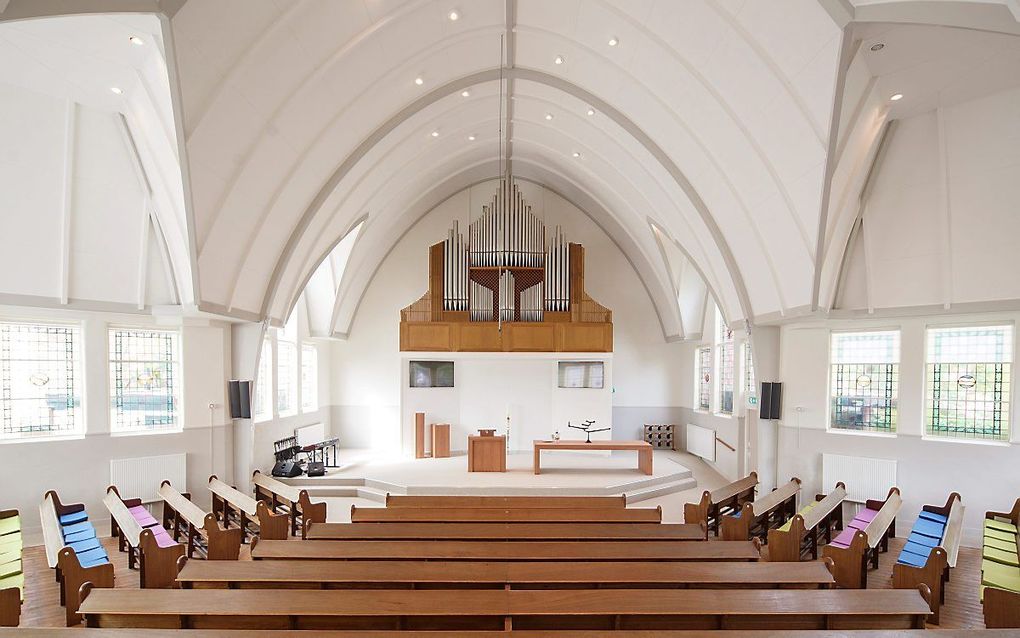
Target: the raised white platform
(363, 475)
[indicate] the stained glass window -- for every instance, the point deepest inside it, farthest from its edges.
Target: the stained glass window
(724, 345)
(40, 394)
(750, 385)
(309, 377)
(704, 378)
(264, 383)
(144, 380)
(864, 380)
(968, 374)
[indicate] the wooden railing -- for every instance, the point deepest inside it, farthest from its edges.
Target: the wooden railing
(420, 310)
(590, 311)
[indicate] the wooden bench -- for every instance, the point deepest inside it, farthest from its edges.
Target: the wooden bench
(801, 536)
(725, 500)
(508, 502)
(289, 500)
(231, 506)
(73, 551)
(606, 609)
(74, 632)
(865, 537)
(201, 532)
(489, 551)
(931, 550)
(503, 515)
(309, 574)
(505, 531)
(1000, 568)
(144, 539)
(755, 518)
(12, 578)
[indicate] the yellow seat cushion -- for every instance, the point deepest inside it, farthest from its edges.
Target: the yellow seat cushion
(785, 527)
(1001, 576)
(1005, 526)
(1006, 546)
(999, 556)
(998, 534)
(10, 525)
(17, 580)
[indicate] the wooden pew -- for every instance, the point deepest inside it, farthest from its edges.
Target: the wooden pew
(233, 506)
(157, 562)
(507, 502)
(725, 500)
(70, 573)
(501, 515)
(201, 532)
(1000, 569)
(809, 528)
(74, 632)
(289, 500)
(309, 574)
(489, 551)
(758, 516)
(505, 531)
(935, 571)
(851, 562)
(508, 610)
(12, 580)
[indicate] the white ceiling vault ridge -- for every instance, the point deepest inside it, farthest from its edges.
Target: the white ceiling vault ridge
(724, 145)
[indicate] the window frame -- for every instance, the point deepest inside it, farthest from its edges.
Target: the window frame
(1007, 434)
(313, 383)
(261, 377)
(830, 394)
(699, 381)
(720, 346)
(177, 367)
(747, 372)
(293, 378)
(79, 393)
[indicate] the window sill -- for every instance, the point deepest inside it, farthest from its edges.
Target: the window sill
(120, 433)
(723, 415)
(947, 439)
(877, 435)
(286, 415)
(79, 436)
(309, 409)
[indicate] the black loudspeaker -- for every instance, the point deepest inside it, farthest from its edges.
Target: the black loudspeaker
(288, 469)
(316, 468)
(770, 401)
(240, 399)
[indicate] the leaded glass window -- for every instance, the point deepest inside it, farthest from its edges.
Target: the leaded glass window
(724, 345)
(40, 391)
(286, 378)
(967, 381)
(750, 387)
(309, 377)
(704, 378)
(144, 380)
(264, 383)
(864, 380)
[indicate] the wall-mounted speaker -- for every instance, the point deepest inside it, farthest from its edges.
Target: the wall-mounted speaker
(240, 399)
(770, 402)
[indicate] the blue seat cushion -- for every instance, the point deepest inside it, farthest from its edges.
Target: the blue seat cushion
(929, 528)
(907, 558)
(919, 550)
(932, 516)
(74, 517)
(100, 560)
(83, 535)
(85, 545)
(78, 527)
(96, 556)
(921, 539)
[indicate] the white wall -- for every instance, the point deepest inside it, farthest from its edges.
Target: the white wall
(928, 470)
(649, 375)
(78, 468)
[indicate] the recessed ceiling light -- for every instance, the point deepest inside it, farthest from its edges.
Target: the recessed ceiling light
(465, 93)
(558, 59)
(877, 47)
(591, 111)
(435, 133)
(613, 41)
(135, 40)
(117, 90)
(548, 116)
(471, 138)
(576, 154)
(453, 16)
(419, 81)
(896, 97)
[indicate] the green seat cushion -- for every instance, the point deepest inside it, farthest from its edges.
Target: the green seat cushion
(999, 556)
(10, 569)
(999, 534)
(17, 580)
(10, 525)
(9, 557)
(785, 527)
(1006, 546)
(1000, 525)
(1001, 576)
(11, 544)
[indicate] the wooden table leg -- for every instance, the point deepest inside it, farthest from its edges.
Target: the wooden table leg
(645, 461)
(537, 467)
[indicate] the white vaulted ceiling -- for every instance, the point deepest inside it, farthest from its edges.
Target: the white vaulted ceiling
(707, 159)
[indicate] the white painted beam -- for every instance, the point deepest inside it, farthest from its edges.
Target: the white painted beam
(945, 211)
(66, 203)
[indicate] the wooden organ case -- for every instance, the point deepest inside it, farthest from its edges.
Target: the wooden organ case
(508, 288)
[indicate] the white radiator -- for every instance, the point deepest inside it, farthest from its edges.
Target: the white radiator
(864, 478)
(140, 477)
(701, 442)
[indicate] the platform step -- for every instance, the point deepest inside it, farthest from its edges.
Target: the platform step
(661, 489)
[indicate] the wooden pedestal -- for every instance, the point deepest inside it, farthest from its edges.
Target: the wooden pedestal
(440, 440)
(486, 454)
(419, 435)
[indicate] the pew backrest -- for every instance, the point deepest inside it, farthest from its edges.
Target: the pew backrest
(824, 507)
(876, 529)
(235, 497)
(765, 504)
(954, 532)
(273, 486)
(734, 489)
(53, 538)
(127, 524)
(191, 513)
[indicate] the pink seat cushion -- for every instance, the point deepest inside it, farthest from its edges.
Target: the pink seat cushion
(856, 524)
(866, 515)
(164, 540)
(142, 515)
(844, 538)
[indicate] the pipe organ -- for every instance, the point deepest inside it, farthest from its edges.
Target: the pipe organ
(510, 287)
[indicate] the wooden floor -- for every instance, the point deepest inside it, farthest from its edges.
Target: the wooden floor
(962, 609)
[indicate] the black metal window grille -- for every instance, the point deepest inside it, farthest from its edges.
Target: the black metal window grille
(38, 388)
(144, 372)
(968, 378)
(704, 378)
(864, 381)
